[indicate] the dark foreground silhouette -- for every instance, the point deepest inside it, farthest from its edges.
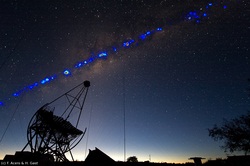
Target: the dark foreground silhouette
(98, 158)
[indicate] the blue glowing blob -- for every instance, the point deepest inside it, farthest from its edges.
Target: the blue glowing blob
(66, 72)
(32, 86)
(91, 60)
(103, 54)
(78, 65)
(210, 4)
(196, 15)
(128, 43)
(16, 94)
(159, 29)
(142, 37)
(190, 15)
(114, 49)
(43, 82)
(193, 14)
(224, 7)
(148, 32)
(1, 103)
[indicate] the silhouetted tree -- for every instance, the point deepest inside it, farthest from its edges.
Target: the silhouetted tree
(132, 159)
(235, 133)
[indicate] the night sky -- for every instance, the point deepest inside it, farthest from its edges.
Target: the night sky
(175, 67)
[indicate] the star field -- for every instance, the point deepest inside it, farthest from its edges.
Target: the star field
(175, 67)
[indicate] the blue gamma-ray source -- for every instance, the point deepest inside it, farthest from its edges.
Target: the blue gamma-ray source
(194, 15)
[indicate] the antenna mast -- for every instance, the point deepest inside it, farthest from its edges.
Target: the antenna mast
(124, 118)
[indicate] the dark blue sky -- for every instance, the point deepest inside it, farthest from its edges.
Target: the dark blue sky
(177, 82)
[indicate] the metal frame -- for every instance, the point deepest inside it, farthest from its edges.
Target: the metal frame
(50, 134)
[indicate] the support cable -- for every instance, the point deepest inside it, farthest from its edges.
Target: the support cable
(86, 147)
(124, 116)
(7, 127)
